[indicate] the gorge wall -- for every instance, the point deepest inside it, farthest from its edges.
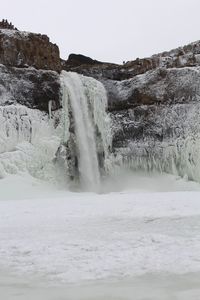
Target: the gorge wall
(153, 103)
(154, 106)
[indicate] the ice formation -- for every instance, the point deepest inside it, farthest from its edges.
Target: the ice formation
(170, 143)
(28, 141)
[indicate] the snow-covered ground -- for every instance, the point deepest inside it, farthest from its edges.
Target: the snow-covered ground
(144, 240)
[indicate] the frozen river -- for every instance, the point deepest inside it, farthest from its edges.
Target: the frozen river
(141, 243)
(146, 287)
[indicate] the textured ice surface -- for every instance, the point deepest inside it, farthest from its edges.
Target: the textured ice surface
(168, 139)
(28, 141)
(73, 237)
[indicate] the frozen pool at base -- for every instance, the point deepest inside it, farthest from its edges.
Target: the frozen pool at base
(146, 287)
(141, 243)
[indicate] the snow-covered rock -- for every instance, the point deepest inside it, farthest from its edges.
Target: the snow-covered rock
(30, 87)
(156, 120)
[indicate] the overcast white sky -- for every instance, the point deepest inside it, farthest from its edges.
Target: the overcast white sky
(108, 30)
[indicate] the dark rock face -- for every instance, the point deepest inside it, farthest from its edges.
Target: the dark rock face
(187, 56)
(30, 87)
(23, 49)
(93, 68)
(78, 60)
(89, 67)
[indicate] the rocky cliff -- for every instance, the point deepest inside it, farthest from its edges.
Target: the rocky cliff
(29, 68)
(186, 56)
(22, 49)
(155, 109)
(154, 103)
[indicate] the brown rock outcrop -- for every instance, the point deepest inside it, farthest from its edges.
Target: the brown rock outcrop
(23, 49)
(78, 60)
(29, 69)
(4, 24)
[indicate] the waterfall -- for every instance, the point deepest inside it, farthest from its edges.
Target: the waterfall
(72, 146)
(87, 100)
(68, 146)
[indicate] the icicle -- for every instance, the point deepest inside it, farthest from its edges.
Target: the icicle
(50, 109)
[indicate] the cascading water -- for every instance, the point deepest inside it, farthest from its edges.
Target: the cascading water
(87, 100)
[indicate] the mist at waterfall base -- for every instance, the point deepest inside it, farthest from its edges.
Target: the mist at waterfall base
(123, 233)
